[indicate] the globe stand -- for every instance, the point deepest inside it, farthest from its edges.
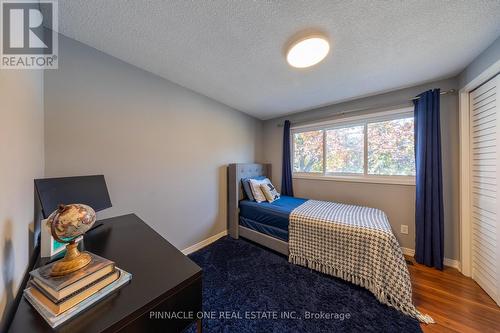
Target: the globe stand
(73, 260)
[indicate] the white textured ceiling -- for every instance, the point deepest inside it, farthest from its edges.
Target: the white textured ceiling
(232, 51)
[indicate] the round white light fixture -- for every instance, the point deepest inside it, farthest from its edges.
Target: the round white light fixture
(307, 51)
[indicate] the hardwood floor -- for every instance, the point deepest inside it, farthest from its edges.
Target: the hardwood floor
(456, 302)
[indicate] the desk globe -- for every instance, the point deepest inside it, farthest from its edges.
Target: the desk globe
(67, 223)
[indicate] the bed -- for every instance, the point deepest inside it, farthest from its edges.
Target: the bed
(271, 219)
(354, 243)
(250, 226)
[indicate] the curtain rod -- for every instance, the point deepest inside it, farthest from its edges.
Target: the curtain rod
(445, 92)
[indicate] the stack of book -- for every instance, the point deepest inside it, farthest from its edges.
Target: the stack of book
(58, 299)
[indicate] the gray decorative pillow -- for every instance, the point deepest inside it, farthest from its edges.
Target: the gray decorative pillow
(246, 186)
(270, 192)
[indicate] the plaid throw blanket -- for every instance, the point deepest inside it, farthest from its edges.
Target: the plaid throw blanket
(356, 244)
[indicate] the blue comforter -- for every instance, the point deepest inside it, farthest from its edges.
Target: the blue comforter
(269, 218)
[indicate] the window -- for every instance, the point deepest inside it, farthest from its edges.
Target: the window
(391, 147)
(344, 150)
(308, 153)
(373, 148)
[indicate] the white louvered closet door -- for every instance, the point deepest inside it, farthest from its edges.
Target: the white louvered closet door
(485, 186)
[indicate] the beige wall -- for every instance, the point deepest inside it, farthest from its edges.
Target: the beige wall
(398, 201)
(162, 148)
(21, 160)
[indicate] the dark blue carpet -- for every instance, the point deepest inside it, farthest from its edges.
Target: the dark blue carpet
(241, 278)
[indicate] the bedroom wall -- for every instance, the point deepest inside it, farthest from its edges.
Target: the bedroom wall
(162, 148)
(487, 58)
(21, 160)
(398, 201)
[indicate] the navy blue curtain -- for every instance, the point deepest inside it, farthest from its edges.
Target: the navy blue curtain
(429, 240)
(286, 172)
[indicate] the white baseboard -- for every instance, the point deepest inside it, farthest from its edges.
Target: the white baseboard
(453, 263)
(447, 261)
(203, 243)
(406, 251)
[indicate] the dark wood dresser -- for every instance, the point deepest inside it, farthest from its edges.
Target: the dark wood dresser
(164, 281)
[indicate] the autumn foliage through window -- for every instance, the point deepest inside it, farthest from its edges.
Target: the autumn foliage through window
(371, 147)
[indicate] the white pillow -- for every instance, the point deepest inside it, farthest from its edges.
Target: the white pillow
(270, 192)
(256, 190)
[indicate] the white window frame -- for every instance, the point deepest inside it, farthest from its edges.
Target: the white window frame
(361, 120)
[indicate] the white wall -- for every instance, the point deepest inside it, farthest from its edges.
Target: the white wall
(21, 160)
(162, 148)
(398, 201)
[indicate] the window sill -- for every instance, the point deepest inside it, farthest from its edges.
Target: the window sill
(393, 180)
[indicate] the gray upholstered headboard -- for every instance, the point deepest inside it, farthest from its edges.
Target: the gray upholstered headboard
(235, 172)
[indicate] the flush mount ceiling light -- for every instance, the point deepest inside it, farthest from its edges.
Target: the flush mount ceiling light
(307, 51)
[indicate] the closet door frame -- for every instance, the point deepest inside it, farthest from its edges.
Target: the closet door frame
(465, 169)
